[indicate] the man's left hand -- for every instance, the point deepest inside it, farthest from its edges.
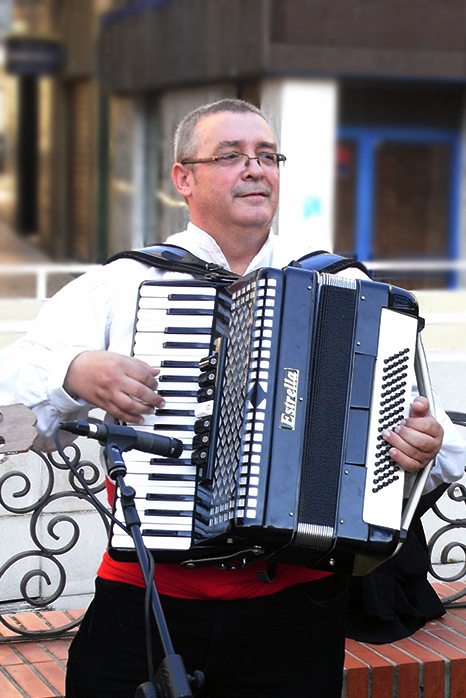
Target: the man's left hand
(415, 441)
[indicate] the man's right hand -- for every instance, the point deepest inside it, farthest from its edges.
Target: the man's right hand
(123, 386)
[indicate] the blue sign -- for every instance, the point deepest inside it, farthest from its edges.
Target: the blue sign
(33, 55)
(312, 206)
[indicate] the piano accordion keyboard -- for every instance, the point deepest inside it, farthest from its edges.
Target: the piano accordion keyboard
(172, 331)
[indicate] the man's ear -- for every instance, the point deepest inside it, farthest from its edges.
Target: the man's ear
(182, 177)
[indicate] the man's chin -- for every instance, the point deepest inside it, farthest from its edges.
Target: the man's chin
(257, 210)
(259, 223)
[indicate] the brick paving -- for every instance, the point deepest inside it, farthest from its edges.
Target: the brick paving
(35, 667)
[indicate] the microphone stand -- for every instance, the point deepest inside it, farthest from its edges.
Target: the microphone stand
(171, 679)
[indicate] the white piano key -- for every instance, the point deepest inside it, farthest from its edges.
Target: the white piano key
(174, 402)
(180, 371)
(171, 386)
(144, 486)
(176, 433)
(156, 358)
(157, 522)
(170, 421)
(147, 327)
(165, 334)
(145, 468)
(168, 505)
(154, 316)
(159, 290)
(193, 304)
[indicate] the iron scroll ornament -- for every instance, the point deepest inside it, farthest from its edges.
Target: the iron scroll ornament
(455, 499)
(15, 498)
(48, 573)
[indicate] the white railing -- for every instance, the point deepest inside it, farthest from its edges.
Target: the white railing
(417, 265)
(42, 272)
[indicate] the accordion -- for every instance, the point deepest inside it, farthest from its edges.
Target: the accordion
(280, 386)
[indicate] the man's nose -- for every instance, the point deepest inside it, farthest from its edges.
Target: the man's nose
(252, 166)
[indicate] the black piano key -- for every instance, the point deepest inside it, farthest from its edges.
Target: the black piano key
(177, 393)
(187, 330)
(165, 534)
(190, 297)
(170, 461)
(167, 512)
(178, 363)
(174, 413)
(172, 427)
(158, 477)
(152, 496)
(185, 345)
(189, 311)
(164, 378)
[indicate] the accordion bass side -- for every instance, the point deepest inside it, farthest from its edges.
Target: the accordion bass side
(304, 372)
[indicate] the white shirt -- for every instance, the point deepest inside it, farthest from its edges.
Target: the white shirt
(96, 312)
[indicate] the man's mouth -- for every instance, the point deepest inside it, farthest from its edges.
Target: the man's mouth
(247, 194)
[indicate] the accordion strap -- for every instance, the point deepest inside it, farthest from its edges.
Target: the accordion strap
(177, 259)
(327, 262)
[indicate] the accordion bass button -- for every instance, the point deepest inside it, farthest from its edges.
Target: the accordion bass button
(209, 362)
(205, 394)
(207, 378)
(199, 457)
(201, 441)
(202, 425)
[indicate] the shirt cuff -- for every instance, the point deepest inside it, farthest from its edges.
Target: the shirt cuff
(63, 401)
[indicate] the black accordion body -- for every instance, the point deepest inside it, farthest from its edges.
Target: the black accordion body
(299, 374)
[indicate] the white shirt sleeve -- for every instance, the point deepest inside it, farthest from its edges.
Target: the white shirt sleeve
(450, 463)
(33, 369)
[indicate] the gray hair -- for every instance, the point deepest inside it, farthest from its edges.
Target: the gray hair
(185, 144)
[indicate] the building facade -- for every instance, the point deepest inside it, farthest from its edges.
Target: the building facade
(367, 100)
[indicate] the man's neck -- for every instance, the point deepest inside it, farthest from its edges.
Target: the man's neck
(241, 247)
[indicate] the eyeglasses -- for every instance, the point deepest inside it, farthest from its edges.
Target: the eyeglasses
(266, 160)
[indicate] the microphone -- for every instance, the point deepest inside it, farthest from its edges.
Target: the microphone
(127, 438)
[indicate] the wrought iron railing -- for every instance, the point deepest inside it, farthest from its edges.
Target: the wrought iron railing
(40, 491)
(448, 542)
(44, 275)
(43, 500)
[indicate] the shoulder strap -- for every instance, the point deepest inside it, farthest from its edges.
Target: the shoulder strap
(327, 262)
(177, 259)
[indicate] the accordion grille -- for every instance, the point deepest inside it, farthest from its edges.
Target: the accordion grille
(224, 492)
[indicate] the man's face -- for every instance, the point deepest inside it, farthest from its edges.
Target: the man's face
(228, 198)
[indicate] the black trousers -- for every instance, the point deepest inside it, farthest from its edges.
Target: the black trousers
(287, 645)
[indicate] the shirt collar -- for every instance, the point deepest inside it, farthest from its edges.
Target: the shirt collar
(203, 245)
